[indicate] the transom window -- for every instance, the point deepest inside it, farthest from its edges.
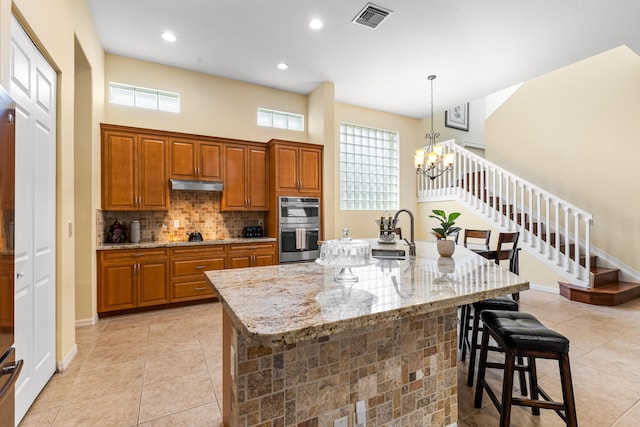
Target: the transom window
(141, 97)
(369, 168)
(280, 119)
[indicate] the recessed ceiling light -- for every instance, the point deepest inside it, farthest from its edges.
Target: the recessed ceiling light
(282, 66)
(315, 24)
(169, 36)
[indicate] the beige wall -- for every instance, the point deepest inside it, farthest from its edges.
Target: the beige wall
(574, 132)
(55, 39)
(210, 105)
(322, 117)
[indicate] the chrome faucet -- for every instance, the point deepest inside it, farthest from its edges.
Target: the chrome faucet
(412, 243)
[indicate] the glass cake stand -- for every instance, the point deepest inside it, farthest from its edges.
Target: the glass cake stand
(345, 253)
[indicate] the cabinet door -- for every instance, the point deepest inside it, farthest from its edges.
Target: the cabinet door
(235, 173)
(262, 259)
(310, 171)
(153, 282)
(210, 161)
(257, 190)
(117, 286)
(183, 155)
(286, 172)
(240, 260)
(119, 171)
(154, 188)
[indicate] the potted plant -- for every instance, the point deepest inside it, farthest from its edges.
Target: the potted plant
(447, 228)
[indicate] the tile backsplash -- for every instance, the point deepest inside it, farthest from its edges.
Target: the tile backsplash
(196, 211)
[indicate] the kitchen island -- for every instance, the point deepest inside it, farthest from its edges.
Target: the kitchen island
(301, 349)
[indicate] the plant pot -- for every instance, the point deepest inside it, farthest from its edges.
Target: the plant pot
(446, 247)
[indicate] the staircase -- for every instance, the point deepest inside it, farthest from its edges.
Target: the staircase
(551, 229)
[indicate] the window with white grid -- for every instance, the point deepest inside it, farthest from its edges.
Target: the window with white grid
(141, 97)
(280, 119)
(369, 172)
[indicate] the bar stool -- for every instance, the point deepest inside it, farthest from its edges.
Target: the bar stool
(521, 334)
(502, 303)
(479, 238)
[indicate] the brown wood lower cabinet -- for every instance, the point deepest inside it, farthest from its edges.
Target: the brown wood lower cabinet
(132, 278)
(136, 278)
(252, 255)
(188, 265)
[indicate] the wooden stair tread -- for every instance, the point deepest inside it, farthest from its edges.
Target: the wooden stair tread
(602, 270)
(610, 294)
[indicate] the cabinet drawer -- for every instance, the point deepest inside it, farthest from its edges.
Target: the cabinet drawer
(199, 252)
(192, 290)
(132, 254)
(252, 247)
(196, 266)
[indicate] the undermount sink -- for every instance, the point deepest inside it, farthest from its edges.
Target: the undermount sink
(388, 253)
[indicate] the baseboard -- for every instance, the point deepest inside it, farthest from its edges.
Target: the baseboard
(544, 288)
(66, 361)
(87, 322)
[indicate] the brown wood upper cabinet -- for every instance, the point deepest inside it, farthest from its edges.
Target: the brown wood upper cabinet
(245, 178)
(194, 159)
(295, 168)
(134, 170)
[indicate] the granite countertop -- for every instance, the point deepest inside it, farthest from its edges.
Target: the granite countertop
(144, 245)
(293, 302)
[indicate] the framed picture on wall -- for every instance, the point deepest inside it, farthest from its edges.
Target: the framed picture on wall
(457, 117)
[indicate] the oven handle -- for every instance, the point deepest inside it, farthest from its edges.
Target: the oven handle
(294, 229)
(14, 371)
(296, 205)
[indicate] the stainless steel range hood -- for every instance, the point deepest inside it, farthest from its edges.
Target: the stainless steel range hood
(191, 185)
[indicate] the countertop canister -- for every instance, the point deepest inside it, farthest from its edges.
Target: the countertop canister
(135, 231)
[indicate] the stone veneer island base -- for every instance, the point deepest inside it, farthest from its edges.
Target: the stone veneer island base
(301, 350)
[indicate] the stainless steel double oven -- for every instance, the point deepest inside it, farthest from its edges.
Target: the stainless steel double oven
(298, 228)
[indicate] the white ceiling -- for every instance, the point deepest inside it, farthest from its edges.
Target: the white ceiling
(474, 47)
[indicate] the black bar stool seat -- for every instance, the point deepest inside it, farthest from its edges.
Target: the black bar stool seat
(521, 334)
(524, 331)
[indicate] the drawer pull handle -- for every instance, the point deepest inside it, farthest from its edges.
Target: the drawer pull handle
(200, 289)
(200, 267)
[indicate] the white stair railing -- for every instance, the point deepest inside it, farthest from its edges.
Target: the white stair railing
(552, 229)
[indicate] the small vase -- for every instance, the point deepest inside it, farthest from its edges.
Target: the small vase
(446, 247)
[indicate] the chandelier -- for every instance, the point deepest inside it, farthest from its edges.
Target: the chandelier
(429, 159)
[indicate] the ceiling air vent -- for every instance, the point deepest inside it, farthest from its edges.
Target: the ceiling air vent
(371, 16)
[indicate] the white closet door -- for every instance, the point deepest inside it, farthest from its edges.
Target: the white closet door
(33, 87)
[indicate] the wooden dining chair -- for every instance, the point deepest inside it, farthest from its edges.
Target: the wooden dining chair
(480, 237)
(507, 249)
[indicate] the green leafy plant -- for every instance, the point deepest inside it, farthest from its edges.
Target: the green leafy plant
(446, 224)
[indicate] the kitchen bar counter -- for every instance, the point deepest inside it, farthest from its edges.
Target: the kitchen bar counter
(301, 347)
(145, 245)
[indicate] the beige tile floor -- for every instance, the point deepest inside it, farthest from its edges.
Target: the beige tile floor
(162, 368)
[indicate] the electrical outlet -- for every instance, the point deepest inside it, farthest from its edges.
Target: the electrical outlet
(260, 222)
(360, 414)
(176, 223)
(341, 422)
